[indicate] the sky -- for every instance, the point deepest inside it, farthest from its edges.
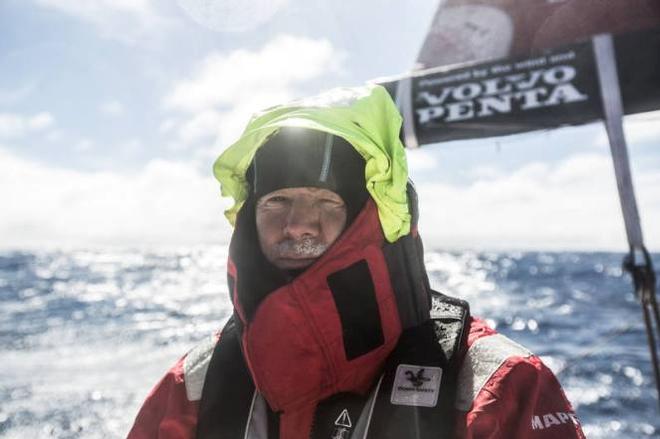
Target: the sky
(113, 111)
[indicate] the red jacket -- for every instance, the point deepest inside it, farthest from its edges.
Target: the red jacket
(332, 330)
(503, 392)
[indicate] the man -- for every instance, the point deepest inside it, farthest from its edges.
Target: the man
(336, 332)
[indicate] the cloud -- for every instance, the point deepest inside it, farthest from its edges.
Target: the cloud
(420, 160)
(226, 88)
(17, 94)
(167, 125)
(83, 145)
(572, 204)
(14, 126)
(201, 125)
(11, 125)
(638, 128)
(124, 20)
(568, 205)
(112, 108)
(40, 122)
(166, 203)
(227, 79)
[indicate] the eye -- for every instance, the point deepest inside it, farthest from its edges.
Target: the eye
(332, 203)
(273, 201)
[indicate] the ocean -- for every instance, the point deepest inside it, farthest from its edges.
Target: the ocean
(85, 334)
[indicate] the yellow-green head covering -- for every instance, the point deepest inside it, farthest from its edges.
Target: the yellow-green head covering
(365, 117)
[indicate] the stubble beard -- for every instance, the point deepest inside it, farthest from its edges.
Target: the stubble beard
(305, 248)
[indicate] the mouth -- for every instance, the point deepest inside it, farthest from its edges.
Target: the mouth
(294, 255)
(303, 249)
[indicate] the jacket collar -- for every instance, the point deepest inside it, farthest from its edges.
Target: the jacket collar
(327, 331)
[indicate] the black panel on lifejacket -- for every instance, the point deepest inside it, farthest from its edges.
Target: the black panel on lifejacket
(405, 263)
(355, 297)
(228, 390)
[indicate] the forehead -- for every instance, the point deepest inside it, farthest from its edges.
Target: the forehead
(314, 192)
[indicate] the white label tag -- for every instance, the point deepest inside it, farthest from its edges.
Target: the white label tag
(416, 385)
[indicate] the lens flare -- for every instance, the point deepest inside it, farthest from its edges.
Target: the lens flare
(231, 15)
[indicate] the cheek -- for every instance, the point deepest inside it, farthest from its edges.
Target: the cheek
(333, 224)
(269, 229)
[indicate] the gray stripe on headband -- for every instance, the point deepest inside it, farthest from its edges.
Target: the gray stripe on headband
(327, 155)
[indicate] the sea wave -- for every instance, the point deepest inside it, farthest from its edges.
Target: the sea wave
(84, 334)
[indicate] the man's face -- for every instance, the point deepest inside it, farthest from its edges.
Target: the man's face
(297, 225)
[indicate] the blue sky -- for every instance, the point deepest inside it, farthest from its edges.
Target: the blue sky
(111, 113)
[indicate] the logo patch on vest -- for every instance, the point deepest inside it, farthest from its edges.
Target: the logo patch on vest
(417, 386)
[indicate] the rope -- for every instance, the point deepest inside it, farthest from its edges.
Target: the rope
(640, 268)
(644, 281)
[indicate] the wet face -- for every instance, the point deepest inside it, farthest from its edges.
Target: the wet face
(297, 225)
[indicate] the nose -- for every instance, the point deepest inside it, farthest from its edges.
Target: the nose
(303, 220)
